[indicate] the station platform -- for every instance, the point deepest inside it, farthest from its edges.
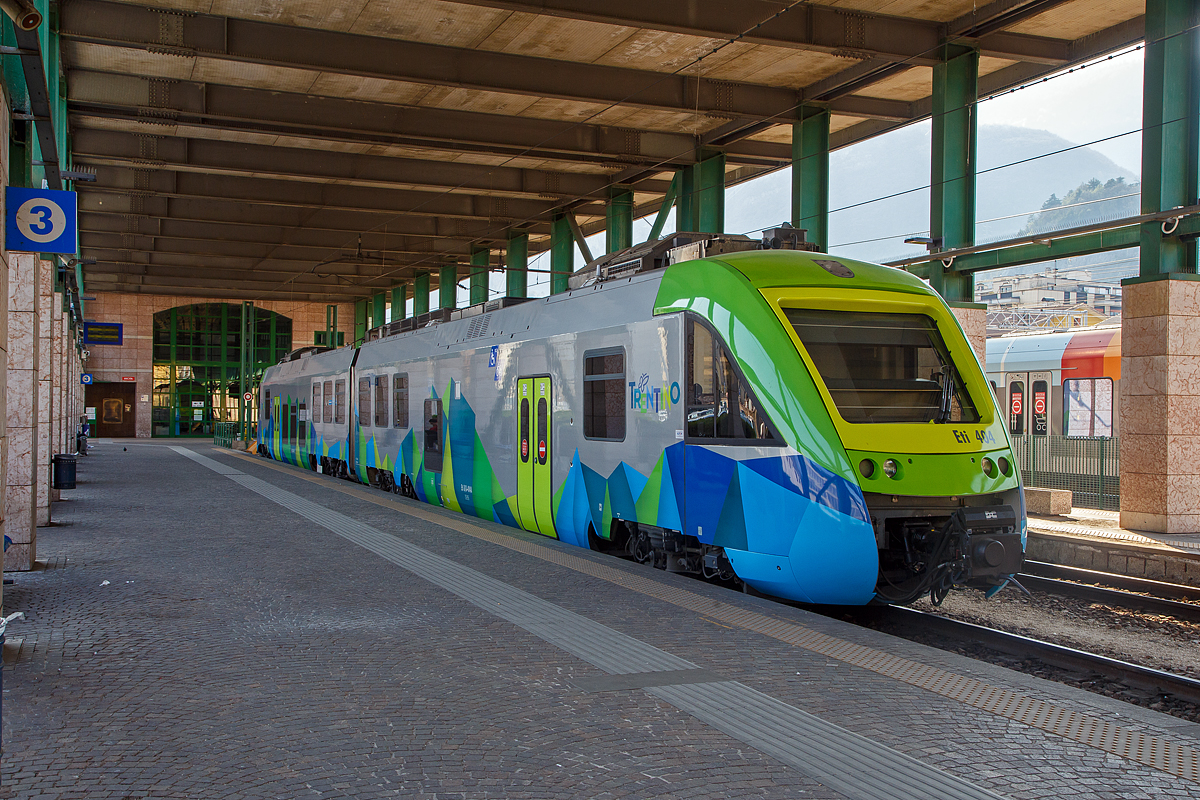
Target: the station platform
(212, 625)
(1094, 539)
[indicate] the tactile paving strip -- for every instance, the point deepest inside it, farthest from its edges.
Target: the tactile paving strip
(1153, 751)
(822, 750)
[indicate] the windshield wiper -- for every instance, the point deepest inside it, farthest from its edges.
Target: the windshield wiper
(947, 382)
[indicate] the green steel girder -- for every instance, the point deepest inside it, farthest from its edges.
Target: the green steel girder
(701, 201)
(421, 294)
(480, 261)
(619, 219)
(1170, 132)
(668, 201)
(952, 174)
(562, 253)
(516, 278)
(399, 301)
(448, 286)
(810, 174)
(378, 309)
(331, 325)
(1034, 252)
(360, 321)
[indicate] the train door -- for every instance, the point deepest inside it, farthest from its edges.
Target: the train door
(534, 487)
(1028, 405)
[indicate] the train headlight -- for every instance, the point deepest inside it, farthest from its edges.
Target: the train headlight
(1005, 467)
(989, 467)
(891, 467)
(866, 468)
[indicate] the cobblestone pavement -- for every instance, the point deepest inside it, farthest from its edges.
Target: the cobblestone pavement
(190, 639)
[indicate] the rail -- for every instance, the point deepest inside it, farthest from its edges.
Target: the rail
(1089, 466)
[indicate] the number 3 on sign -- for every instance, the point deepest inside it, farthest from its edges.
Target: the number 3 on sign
(41, 220)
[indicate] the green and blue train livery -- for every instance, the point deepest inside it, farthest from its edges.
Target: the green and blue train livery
(812, 427)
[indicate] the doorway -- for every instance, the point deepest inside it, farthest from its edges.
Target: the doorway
(534, 487)
(116, 411)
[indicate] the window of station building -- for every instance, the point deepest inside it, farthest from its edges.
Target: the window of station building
(339, 393)
(364, 402)
(720, 403)
(327, 411)
(1088, 407)
(400, 400)
(433, 435)
(381, 401)
(604, 399)
(197, 355)
(883, 367)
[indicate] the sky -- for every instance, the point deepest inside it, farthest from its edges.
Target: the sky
(1100, 100)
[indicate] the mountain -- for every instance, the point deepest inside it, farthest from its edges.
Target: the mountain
(899, 161)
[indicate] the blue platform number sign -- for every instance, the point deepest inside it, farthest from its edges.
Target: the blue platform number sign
(86, 378)
(40, 221)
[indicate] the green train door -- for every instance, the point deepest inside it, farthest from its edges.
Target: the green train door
(534, 488)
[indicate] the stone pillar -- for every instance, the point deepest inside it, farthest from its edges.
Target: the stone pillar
(45, 402)
(973, 319)
(20, 520)
(1159, 404)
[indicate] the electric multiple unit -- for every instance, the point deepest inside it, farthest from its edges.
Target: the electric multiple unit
(812, 427)
(1060, 382)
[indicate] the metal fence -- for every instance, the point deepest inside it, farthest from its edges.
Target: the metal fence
(225, 432)
(1087, 465)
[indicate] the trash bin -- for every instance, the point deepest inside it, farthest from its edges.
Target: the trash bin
(64, 470)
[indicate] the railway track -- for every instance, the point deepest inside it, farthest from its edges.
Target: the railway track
(1117, 591)
(912, 623)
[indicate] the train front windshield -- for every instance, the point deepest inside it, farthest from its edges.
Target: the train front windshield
(881, 367)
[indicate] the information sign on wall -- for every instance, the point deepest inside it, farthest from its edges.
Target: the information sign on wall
(40, 221)
(103, 333)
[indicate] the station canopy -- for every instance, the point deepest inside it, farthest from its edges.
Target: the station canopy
(323, 151)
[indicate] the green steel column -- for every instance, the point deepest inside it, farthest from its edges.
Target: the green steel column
(952, 174)
(480, 261)
(619, 233)
(562, 253)
(331, 325)
(399, 301)
(517, 265)
(447, 286)
(360, 321)
(378, 309)
(246, 361)
(421, 294)
(810, 174)
(701, 202)
(1170, 131)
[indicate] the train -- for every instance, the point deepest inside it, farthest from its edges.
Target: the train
(1064, 383)
(803, 426)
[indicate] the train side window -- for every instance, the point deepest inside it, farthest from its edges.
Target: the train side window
(400, 400)
(433, 435)
(721, 403)
(267, 404)
(340, 393)
(1088, 407)
(327, 412)
(316, 402)
(525, 430)
(364, 402)
(291, 422)
(604, 394)
(381, 401)
(1016, 408)
(302, 424)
